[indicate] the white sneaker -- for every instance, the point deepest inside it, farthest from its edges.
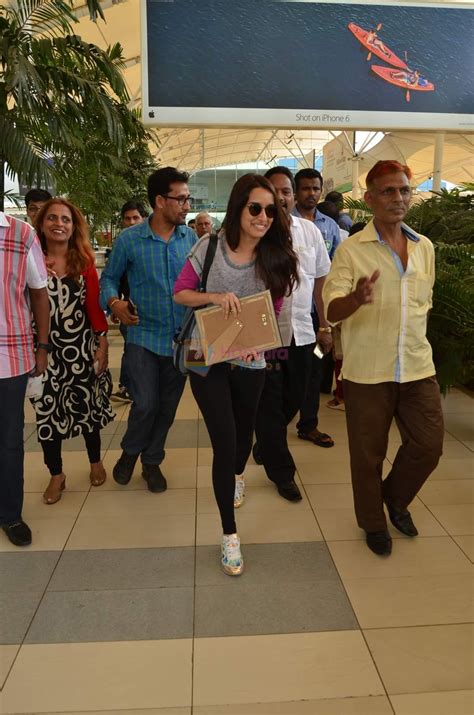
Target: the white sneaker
(239, 494)
(231, 559)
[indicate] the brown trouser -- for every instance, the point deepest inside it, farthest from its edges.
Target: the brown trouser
(370, 409)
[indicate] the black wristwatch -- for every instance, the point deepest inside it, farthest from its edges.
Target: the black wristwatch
(45, 346)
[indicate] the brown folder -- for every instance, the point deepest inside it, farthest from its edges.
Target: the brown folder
(254, 328)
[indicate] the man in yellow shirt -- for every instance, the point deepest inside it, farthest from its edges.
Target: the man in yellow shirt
(380, 289)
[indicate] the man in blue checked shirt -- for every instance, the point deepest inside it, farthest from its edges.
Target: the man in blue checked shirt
(152, 253)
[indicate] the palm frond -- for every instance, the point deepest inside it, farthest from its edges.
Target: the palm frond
(358, 209)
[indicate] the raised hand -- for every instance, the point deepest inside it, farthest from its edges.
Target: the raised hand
(364, 290)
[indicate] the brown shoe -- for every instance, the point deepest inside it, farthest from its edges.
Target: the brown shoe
(55, 488)
(98, 474)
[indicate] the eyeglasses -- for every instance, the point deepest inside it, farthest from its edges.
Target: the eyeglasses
(180, 199)
(255, 209)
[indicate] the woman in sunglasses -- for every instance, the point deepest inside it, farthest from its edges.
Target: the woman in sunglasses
(254, 253)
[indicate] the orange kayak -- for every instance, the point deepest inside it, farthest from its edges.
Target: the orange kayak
(381, 50)
(405, 79)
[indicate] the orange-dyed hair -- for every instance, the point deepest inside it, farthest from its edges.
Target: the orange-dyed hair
(388, 166)
(80, 253)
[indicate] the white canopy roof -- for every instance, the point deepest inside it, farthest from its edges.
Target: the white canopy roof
(417, 150)
(196, 148)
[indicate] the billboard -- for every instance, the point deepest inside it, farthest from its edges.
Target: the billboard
(299, 63)
(337, 164)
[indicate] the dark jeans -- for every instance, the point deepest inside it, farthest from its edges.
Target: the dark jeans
(156, 388)
(228, 399)
(12, 420)
(123, 379)
(370, 410)
(52, 451)
(286, 383)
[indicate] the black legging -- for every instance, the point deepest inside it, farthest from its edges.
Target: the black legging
(52, 451)
(228, 398)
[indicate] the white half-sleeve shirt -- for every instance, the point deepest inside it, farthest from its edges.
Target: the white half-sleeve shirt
(295, 317)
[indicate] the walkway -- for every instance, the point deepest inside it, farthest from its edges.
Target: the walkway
(120, 607)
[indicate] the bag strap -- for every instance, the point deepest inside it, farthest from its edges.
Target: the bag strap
(210, 253)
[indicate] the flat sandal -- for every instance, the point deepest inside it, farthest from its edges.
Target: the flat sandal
(54, 490)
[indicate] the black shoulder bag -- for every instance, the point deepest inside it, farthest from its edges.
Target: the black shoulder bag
(182, 338)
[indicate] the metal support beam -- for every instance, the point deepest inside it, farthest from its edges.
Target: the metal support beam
(438, 161)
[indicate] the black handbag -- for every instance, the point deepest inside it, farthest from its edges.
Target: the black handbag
(183, 336)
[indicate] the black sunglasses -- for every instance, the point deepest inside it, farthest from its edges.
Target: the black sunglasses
(255, 209)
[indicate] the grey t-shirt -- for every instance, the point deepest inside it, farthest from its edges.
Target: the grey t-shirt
(225, 276)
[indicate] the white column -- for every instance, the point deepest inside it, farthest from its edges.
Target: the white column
(438, 160)
(355, 177)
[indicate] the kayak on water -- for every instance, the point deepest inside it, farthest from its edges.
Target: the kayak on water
(376, 46)
(405, 79)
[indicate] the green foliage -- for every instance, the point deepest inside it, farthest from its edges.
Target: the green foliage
(446, 217)
(358, 209)
(451, 323)
(51, 82)
(99, 181)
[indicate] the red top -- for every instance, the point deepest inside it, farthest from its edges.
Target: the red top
(94, 312)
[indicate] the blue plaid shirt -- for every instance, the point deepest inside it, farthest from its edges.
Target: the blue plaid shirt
(152, 267)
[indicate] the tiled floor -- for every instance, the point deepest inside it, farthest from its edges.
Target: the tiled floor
(120, 607)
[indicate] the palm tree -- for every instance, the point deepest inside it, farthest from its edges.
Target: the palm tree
(50, 82)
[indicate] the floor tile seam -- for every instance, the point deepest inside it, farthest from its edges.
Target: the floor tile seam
(443, 527)
(459, 503)
(271, 583)
(418, 626)
(335, 631)
(426, 692)
(377, 670)
(195, 585)
(464, 552)
(414, 575)
(458, 439)
(139, 589)
(193, 637)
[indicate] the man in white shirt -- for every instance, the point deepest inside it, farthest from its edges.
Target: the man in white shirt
(289, 368)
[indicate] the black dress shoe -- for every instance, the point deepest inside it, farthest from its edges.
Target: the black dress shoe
(289, 491)
(154, 478)
(123, 470)
(402, 521)
(256, 454)
(380, 542)
(18, 532)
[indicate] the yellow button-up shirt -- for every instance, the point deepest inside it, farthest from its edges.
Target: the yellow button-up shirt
(384, 341)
